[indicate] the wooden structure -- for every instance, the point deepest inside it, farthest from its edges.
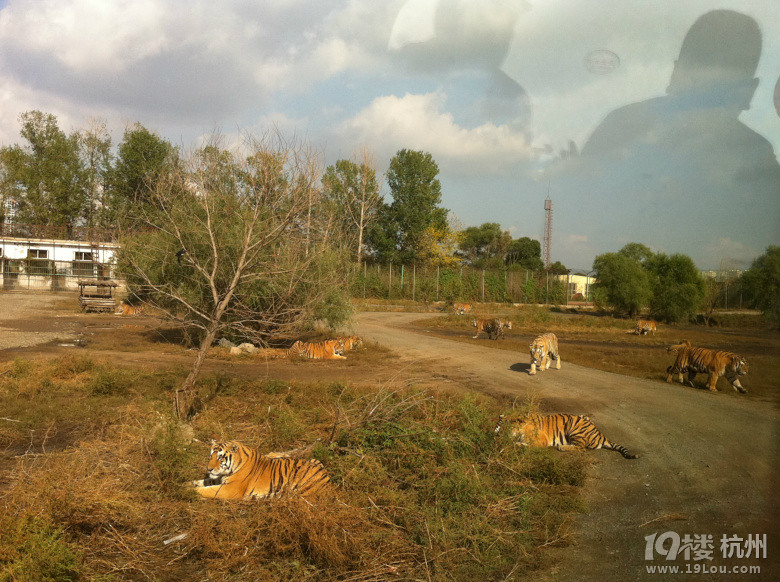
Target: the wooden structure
(97, 295)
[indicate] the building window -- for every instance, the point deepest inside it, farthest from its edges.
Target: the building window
(38, 263)
(83, 265)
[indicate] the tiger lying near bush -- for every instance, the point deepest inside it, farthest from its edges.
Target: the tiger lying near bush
(461, 308)
(543, 349)
(492, 327)
(126, 309)
(644, 326)
(715, 363)
(236, 472)
(563, 431)
(325, 350)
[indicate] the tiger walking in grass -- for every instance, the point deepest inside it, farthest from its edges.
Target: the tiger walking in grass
(494, 327)
(461, 308)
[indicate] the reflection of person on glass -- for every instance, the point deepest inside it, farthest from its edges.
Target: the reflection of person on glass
(696, 123)
(465, 42)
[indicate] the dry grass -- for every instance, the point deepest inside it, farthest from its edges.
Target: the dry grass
(93, 466)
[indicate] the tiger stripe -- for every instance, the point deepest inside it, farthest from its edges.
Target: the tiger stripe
(563, 431)
(714, 363)
(236, 471)
(324, 350)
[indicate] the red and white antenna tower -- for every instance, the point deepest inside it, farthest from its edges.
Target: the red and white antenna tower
(547, 230)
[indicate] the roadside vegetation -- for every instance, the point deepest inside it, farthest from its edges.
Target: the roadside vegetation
(94, 462)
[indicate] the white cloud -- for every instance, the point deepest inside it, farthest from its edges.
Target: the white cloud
(87, 34)
(419, 122)
(573, 239)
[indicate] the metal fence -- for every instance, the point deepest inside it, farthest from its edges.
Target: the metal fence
(51, 275)
(37, 231)
(462, 283)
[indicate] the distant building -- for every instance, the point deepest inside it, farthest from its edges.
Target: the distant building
(35, 257)
(722, 275)
(579, 286)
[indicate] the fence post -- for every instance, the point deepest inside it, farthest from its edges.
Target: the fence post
(525, 289)
(483, 285)
(390, 285)
(402, 281)
(437, 282)
(414, 280)
(547, 287)
(365, 270)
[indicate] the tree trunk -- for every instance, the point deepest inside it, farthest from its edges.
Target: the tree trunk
(186, 401)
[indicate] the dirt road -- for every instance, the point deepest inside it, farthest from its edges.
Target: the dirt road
(708, 463)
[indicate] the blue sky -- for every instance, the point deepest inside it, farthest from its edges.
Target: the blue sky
(493, 89)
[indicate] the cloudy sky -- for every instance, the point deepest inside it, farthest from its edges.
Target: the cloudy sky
(513, 99)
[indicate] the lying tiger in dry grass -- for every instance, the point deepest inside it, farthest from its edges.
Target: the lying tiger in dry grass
(324, 350)
(126, 309)
(236, 472)
(493, 326)
(714, 363)
(644, 326)
(563, 431)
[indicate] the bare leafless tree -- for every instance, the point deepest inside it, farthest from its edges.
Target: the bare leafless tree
(351, 187)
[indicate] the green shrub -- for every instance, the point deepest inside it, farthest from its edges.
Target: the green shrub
(35, 551)
(109, 381)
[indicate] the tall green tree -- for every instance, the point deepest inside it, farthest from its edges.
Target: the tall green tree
(353, 191)
(761, 283)
(637, 252)
(623, 281)
(416, 191)
(142, 157)
(678, 287)
(485, 245)
(97, 160)
(45, 176)
(526, 253)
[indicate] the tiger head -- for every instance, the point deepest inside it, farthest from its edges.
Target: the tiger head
(522, 429)
(538, 350)
(474, 323)
(739, 365)
(677, 347)
(507, 324)
(352, 342)
(226, 459)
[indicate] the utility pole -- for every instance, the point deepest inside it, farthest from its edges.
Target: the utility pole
(547, 229)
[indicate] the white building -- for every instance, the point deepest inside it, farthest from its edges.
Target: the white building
(51, 262)
(578, 286)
